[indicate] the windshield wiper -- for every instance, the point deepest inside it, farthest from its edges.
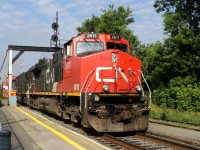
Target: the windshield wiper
(98, 42)
(88, 52)
(88, 44)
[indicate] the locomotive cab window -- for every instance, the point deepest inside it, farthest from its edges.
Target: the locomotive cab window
(112, 45)
(68, 50)
(88, 47)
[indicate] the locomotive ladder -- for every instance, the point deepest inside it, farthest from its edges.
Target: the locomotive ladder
(84, 84)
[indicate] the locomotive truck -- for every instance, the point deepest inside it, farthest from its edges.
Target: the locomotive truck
(93, 80)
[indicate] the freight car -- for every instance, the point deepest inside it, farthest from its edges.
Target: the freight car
(93, 80)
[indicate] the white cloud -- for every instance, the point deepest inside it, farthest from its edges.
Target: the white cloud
(145, 11)
(47, 7)
(149, 29)
(148, 24)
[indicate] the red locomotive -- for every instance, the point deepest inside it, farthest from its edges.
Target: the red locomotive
(93, 80)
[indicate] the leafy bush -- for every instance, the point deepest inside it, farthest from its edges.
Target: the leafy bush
(181, 94)
(163, 113)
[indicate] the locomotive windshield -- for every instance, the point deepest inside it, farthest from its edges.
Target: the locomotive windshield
(112, 45)
(88, 47)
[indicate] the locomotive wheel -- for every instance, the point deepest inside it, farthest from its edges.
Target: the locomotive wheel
(75, 124)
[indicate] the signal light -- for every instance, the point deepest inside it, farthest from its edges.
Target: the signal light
(54, 38)
(55, 26)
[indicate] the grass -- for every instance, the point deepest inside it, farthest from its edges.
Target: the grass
(183, 117)
(175, 124)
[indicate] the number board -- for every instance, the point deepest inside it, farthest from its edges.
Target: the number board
(91, 35)
(115, 37)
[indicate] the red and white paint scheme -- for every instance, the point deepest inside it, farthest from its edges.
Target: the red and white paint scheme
(94, 80)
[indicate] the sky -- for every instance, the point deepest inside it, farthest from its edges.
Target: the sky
(28, 23)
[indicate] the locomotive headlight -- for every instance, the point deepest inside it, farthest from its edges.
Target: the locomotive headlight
(106, 88)
(114, 57)
(139, 88)
(96, 98)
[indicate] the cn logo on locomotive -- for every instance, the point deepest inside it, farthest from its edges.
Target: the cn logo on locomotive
(98, 69)
(49, 76)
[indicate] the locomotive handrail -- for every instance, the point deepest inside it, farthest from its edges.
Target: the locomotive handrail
(84, 87)
(87, 89)
(89, 83)
(147, 87)
(86, 80)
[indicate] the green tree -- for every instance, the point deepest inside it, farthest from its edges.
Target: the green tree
(182, 24)
(183, 12)
(177, 60)
(113, 21)
(88, 24)
(153, 63)
(42, 61)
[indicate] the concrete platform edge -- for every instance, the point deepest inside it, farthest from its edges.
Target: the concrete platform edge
(23, 136)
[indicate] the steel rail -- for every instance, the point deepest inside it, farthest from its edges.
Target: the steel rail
(126, 145)
(150, 141)
(170, 141)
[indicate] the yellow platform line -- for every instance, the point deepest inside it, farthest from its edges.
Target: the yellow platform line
(54, 131)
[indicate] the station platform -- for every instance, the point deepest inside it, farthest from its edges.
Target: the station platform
(32, 132)
(20, 140)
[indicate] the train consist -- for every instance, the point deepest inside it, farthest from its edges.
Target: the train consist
(93, 80)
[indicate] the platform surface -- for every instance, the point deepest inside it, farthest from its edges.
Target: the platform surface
(33, 132)
(20, 140)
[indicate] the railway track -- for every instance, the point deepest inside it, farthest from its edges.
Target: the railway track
(137, 141)
(148, 141)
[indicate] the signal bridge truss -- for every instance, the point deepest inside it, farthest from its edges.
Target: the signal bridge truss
(11, 60)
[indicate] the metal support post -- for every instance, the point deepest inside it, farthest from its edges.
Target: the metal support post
(12, 98)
